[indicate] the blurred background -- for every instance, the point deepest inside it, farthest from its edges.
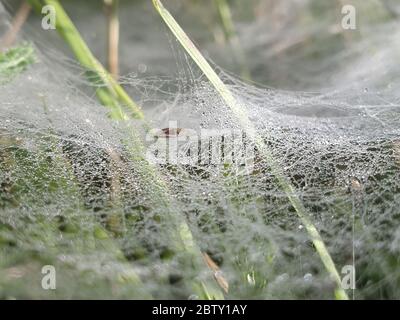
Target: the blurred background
(286, 44)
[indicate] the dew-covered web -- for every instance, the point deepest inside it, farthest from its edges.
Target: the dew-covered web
(79, 191)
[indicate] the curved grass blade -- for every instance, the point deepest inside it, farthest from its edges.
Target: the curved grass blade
(241, 115)
(232, 37)
(109, 91)
(182, 240)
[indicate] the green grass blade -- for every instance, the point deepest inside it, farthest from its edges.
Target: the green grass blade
(232, 37)
(110, 93)
(241, 115)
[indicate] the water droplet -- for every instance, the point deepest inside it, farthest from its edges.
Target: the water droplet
(308, 277)
(282, 277)
(142, 68)
(250, 279)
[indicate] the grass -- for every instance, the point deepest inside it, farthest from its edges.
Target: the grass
(240, 113)
(46, 174)
(16, 25)
(109, 91)
(113, 36)
(15, 60)
(251, 225)
(63, 234)
(112, 95)
(260, 263)
(232, 37)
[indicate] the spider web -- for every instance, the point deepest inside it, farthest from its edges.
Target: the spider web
(78, 192)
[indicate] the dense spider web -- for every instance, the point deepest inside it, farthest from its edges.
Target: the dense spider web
(78, 192)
